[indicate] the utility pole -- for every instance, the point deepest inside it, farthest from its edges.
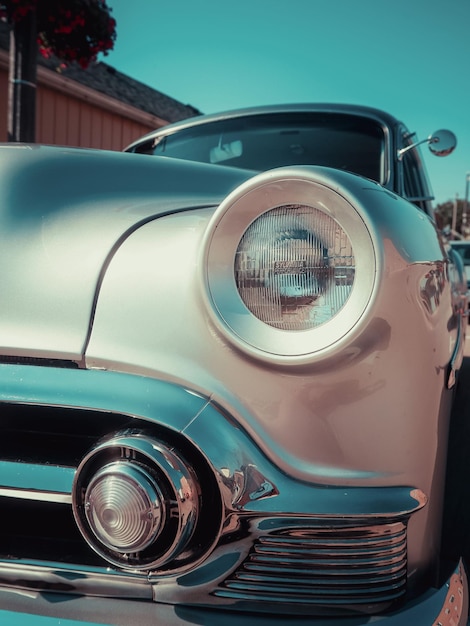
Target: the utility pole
(465, 228)
(454, 215)
(22, 81)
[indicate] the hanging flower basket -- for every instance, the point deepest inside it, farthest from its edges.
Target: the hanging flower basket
(73, 31)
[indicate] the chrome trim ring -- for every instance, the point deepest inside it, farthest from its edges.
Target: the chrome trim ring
(136, 501)
(263, 193)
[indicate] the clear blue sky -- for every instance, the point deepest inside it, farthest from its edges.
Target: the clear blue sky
(409, 57)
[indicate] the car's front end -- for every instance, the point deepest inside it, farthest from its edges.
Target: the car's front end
(224, 396)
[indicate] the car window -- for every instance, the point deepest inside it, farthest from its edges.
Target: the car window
(346, 142)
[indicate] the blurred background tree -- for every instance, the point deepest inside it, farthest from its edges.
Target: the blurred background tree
(455, 216)
(72, 31)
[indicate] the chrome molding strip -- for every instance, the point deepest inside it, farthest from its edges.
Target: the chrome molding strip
(63, 578)
(40, 496)
(151, 399)
(30, 481)
(457, 356)
(447, 604)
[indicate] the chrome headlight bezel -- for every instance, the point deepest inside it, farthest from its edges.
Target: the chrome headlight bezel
(229, 224)
(136, 501)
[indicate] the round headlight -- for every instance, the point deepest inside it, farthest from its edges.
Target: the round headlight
(289, 264)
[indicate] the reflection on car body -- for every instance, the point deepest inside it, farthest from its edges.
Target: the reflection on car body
(227, 371)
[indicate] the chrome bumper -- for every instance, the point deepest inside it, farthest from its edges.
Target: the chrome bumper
(437, 607)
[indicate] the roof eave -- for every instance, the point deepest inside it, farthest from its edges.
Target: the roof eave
(62, 84)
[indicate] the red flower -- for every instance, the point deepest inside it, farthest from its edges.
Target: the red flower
(77, 33)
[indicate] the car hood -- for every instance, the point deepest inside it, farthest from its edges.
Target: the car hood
(63, 212)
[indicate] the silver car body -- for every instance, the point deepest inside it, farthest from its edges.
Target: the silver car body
(296, 472)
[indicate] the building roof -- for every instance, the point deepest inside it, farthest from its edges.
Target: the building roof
(107, 80)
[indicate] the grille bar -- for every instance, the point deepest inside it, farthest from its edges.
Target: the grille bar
(336, 566)
(33, 481)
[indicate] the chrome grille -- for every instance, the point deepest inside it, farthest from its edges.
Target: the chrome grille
(340, 566)
(40, 450)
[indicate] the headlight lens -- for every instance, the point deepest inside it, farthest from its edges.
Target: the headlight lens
(124, 507)
(294, 267)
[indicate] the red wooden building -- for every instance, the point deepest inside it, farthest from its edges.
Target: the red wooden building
(94, 108)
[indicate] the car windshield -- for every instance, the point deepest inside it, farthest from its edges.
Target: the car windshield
(262, 142)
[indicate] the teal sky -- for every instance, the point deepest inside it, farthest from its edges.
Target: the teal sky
(408, 57)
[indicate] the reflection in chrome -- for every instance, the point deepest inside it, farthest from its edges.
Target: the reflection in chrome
(432, 285)
(247, 484)
(337, 565)
(64, 578)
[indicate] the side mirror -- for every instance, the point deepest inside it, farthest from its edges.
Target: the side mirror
(441, 143)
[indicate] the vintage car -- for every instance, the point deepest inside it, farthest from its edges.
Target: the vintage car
(227, 374)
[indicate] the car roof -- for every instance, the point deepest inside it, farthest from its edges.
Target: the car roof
(378, 115)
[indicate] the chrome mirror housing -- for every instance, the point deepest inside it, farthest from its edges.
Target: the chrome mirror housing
(441, 143)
